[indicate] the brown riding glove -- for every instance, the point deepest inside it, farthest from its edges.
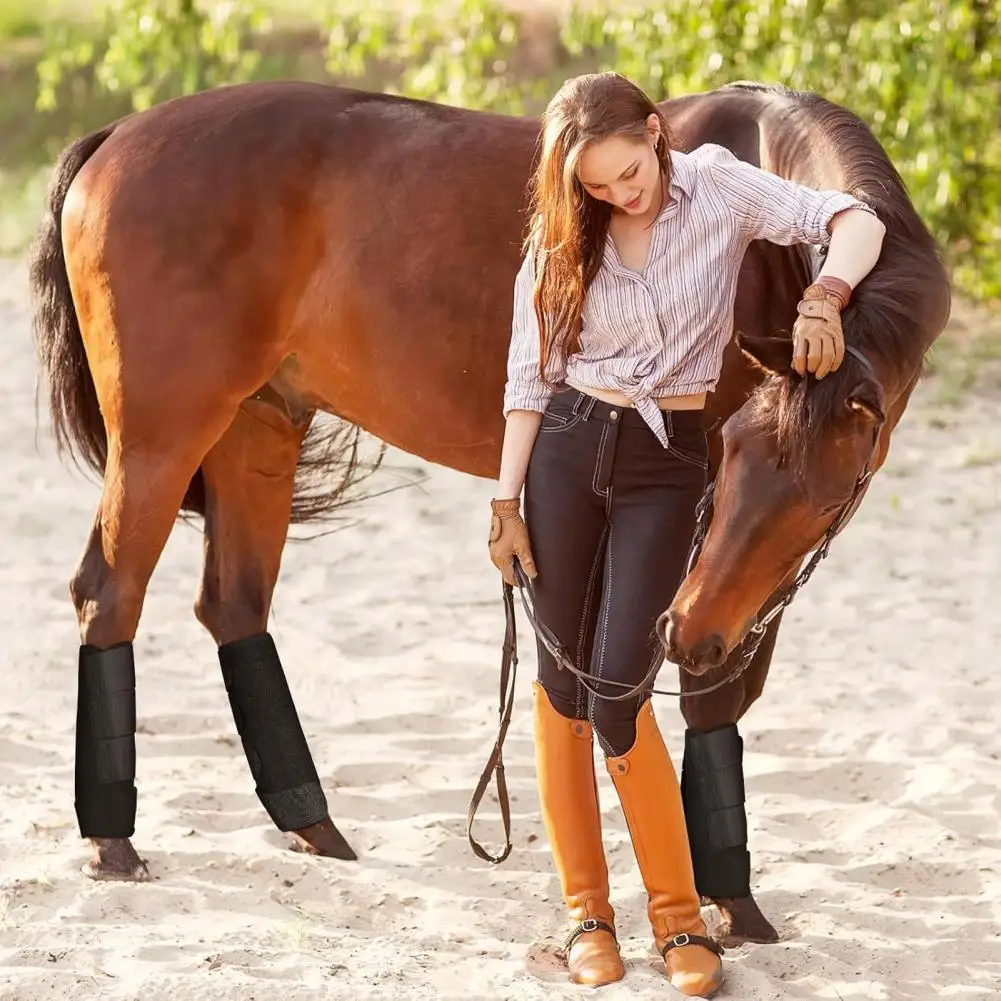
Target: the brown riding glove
(818, 341)
(509, 538)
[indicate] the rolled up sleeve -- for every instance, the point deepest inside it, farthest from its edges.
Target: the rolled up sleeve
(769, 207)
(525, 389)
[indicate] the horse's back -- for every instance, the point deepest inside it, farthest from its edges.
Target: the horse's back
(355, 250)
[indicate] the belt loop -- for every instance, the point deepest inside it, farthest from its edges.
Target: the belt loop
(591, 403)
(575, 409)
(668, 423)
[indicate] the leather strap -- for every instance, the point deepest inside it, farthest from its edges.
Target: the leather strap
(587, 925)
(819, 304)
(495, 763)
(814, 309)
(679, 941)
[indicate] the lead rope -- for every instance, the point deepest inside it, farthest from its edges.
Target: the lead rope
(753, 640)
(495, 763)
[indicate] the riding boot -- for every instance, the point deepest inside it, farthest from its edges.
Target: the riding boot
(569, 795)
(647, 785)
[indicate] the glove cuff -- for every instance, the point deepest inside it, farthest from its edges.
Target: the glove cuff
(507, 507)
(835, 290)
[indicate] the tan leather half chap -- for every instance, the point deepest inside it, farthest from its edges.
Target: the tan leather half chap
(647, 785)
(568, 793)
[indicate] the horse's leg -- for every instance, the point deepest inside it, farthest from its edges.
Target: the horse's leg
(712, 785)
(145, 480)
(249, 477)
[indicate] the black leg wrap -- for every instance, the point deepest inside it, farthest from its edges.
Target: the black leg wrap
(105, 791)
(712, 787)
(265, 716)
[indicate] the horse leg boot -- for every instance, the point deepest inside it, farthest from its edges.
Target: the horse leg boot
(647, 785)
(569, 795)
(105, 770)
(712, 787)
(286, 780)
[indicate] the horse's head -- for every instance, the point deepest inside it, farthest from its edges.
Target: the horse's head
(795, 456)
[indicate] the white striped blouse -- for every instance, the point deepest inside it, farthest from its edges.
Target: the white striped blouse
(662, 332)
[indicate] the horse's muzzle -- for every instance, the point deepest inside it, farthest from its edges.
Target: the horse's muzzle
(706, 653)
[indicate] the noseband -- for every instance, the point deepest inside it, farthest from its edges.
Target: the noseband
(751, 642)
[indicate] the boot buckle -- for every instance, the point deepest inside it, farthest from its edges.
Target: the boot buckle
(683, 938)
(585, 926)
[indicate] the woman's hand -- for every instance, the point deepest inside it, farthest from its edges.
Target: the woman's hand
(509, 538)
(817, 339)
(508, 531)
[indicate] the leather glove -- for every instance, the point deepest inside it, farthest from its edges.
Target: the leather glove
(509, 538)
(818, 341)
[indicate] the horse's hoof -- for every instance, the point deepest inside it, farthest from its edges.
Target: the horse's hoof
(741, 921)
(115, 859)
(323, 839)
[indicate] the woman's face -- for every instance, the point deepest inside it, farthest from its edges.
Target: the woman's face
(622, 171)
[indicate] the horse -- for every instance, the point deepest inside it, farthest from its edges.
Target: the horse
(216, 277)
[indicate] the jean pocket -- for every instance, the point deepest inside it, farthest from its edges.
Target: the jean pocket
(554, 420)
(691, 447)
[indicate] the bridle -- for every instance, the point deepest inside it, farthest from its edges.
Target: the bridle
(752, 640)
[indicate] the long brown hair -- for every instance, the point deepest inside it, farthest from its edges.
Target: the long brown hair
(568, 227)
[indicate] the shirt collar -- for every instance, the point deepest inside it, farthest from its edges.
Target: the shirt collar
(681, 185)
(682, 173)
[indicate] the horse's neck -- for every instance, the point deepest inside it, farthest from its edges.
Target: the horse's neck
(799, 148)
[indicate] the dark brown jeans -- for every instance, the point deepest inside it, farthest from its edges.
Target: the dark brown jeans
(611, 515)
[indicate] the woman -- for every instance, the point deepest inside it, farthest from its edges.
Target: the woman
(622, 308)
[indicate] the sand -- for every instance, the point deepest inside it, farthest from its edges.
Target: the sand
(871, 761)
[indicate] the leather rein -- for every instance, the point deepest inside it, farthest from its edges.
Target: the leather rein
(751, 642)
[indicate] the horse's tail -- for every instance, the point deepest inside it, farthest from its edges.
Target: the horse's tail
(76, 415)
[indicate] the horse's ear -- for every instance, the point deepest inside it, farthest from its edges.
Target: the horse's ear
(866, 400)
(773, 354)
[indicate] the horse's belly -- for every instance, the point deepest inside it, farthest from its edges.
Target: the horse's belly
(443, 417)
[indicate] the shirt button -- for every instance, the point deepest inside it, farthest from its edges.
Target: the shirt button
(613, 414)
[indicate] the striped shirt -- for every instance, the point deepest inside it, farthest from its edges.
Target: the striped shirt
(662, 332)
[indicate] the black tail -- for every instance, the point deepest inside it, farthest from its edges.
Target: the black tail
(76, 415)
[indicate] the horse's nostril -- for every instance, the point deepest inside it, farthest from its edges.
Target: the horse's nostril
(667, 627)
(664, 628)
(712, 652)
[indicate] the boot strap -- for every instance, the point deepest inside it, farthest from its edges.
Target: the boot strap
(587, 925)
(684, 939)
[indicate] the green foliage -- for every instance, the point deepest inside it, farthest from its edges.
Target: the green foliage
(457, 52)
(153, 51)
(924, 74)
(16, 23)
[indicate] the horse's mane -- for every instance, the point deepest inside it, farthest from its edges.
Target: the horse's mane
(901, 306)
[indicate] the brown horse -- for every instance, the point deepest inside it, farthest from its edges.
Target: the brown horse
(215, 271)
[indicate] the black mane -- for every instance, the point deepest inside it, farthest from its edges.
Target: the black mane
(897, 311)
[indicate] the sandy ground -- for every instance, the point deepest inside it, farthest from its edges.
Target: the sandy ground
(872, 760)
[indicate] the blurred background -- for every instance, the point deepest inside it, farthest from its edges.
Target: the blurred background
(924, 74)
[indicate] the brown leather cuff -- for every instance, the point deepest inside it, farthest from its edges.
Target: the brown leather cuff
(837, 287)
(506, 508)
